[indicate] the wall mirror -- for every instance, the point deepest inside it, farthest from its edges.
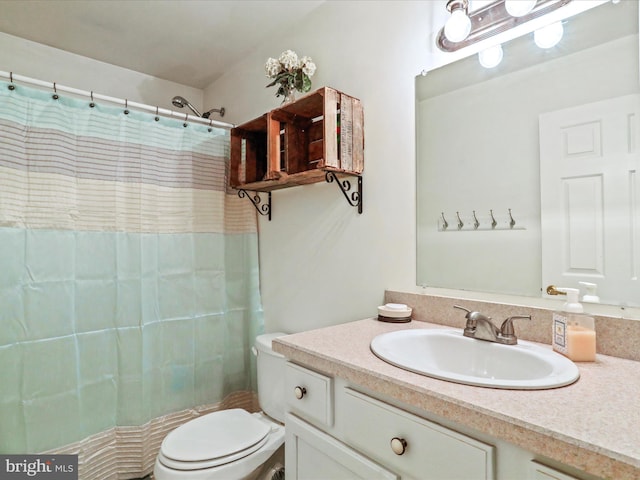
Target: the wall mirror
(486, 219)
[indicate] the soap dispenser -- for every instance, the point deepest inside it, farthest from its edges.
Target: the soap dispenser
(590, 296)
(574, 333)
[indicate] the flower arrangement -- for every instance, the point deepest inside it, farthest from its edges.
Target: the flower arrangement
(290, 73)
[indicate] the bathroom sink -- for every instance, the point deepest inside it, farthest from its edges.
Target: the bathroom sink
(448, 355)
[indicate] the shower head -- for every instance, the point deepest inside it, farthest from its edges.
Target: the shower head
(181, 102)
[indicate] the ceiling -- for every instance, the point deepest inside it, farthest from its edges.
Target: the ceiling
(191, 42)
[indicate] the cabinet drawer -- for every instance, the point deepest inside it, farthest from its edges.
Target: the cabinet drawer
(425, 450)
(537, 471)
(310, 394)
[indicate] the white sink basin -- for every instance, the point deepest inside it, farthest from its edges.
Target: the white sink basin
(448, 355)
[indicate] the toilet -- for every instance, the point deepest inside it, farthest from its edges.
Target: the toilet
(233, 444)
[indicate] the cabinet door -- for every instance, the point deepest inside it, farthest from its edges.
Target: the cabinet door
(313, 455)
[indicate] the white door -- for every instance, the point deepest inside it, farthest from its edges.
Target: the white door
(590, 198)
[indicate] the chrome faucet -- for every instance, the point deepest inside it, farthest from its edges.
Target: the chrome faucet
(480, 327)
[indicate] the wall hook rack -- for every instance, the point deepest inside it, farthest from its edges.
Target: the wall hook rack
(355, 199)
(256, 200)
(476, 221)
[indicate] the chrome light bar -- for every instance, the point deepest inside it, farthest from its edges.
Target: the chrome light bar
(494, 19)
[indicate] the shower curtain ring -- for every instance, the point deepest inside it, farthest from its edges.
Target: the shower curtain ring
(92, 104)
(210, 125)
(55, 95)
(186, 118)
(12, 86)
(126, 106)
(157, 118)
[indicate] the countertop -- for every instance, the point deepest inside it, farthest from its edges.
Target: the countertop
(592, 425)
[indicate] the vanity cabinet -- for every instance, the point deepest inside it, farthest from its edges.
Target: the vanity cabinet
(298, 143)
(340, 431)
(335, 431)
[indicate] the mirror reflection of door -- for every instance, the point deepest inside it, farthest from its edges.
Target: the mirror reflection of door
(590, 197)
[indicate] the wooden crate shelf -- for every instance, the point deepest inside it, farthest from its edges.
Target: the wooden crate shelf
(296, 144)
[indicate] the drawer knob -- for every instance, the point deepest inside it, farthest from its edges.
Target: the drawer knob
(300, 392)
(398, 445)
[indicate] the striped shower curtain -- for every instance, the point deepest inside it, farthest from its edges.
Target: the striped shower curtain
(128, 273)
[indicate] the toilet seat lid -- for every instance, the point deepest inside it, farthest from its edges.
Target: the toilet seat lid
(215, 435)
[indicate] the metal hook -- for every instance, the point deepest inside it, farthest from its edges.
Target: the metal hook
(12, 86)
(55, 95)
(157, 118)
(210, 126)
(476, 223)
(92, 104)
(126, 106)
(460, 224)
(186, 118)
(445, 224)
(512, 222)
(493, 219)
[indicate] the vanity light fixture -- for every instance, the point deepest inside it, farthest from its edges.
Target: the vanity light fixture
(491, 57)
(549, 36)
(458, 25)
(488, 21)
(519, 8)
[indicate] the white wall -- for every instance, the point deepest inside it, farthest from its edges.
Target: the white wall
(322, 263)
(42, 62)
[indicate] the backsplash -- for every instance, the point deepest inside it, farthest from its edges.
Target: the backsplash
(616, 336)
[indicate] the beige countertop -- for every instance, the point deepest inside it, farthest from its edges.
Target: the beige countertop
(592, 425)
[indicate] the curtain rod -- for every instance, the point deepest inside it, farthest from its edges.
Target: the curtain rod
(124, 102)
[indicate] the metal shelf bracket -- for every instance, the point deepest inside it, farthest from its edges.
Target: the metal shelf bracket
(256, 200)
(355, 199)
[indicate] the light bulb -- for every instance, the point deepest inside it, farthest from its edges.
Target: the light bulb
(547, 37)
(491, 57)
(458, 26)
(519, 8)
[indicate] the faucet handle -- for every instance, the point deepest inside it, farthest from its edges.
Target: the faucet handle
(473, 317)
(471, 321)
(506, 330)
(462, 308)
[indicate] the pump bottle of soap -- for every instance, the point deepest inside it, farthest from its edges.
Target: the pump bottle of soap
(574, 333)
(590, 296)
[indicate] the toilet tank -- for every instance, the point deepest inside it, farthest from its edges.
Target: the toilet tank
(270, 377)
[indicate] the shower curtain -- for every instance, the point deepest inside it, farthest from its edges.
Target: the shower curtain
(128, 273)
